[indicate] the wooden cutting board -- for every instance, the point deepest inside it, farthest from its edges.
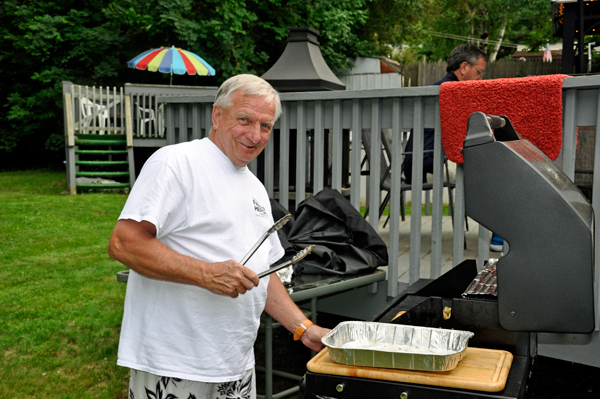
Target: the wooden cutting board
(480, 370)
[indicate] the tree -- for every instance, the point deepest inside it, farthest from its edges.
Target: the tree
(42, 45)
(488, 24)
(89, 43)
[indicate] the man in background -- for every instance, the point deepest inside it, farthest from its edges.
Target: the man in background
(465, 62)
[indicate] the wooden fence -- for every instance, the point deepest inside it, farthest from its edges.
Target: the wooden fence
(427, 73)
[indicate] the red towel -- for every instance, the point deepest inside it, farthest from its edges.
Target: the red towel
(533, 105)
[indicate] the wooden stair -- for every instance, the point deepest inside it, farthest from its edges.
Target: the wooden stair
(102, 156)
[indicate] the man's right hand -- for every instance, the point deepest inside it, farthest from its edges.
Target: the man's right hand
(228, 278)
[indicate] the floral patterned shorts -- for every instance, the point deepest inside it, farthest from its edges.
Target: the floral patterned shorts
(144, 385)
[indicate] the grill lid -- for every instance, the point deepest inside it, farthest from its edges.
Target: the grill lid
(546, 280)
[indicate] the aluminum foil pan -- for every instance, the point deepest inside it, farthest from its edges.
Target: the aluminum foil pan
(396, 346)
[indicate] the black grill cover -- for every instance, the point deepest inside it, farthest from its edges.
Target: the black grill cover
(345, 242)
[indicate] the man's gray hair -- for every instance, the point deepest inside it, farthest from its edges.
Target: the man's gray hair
(251, 85)
(462, 53)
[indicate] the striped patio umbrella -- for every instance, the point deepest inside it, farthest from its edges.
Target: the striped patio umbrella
(173, 61)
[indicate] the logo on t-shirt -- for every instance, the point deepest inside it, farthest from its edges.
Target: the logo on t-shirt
(259, 209)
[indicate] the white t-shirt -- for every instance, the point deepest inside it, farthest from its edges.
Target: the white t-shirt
(205, 207)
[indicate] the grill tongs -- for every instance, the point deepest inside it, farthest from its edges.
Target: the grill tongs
(297, 258)
(279, 224)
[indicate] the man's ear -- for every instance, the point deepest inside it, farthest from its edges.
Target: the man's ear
(465, 66)
(217, 113)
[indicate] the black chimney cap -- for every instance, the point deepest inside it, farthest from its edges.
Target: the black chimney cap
(301, 67)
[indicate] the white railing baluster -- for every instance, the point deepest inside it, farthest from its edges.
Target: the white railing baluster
(268, 167)
(196, 121)
(301, 151)
(319, 149)
(140, 114)
(183, 122)
(284, 150)
(396, 191)
(122, 108)
(113, 128)
(374, 192)
(80, 121)
(337, 147)
(94, 124)
(437, 202)
(158, 121)
(356, 158)
(416, 192)
(99, 108)
(458, 242)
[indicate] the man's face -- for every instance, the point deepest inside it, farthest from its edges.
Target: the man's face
(243, 129)
(474, 71)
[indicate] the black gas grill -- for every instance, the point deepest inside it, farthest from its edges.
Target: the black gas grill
(543, 284)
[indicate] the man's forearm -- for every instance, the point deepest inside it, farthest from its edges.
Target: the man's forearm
(135, 245)
(281, 307)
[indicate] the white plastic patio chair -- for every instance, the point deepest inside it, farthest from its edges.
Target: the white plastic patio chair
(145, 115)
(90, 111)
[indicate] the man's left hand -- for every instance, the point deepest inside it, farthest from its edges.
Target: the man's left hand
(312, 337)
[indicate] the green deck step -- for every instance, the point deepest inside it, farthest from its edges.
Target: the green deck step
(101, 163)
(101, 174)
(99, 157)
(83, 136)
(101, 152)
(103, 186)
(100, 142)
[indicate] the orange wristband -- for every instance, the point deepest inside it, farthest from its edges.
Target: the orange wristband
(301, 328)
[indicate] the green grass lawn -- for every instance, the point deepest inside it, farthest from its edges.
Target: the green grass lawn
(60, 299)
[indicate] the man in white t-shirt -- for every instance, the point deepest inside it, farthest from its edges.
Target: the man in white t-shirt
(192, 312)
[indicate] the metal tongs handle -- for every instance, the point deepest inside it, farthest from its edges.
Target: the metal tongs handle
(279, 224)
(297, 258)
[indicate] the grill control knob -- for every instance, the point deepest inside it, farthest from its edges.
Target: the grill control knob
(339, 387)
(403, 395)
